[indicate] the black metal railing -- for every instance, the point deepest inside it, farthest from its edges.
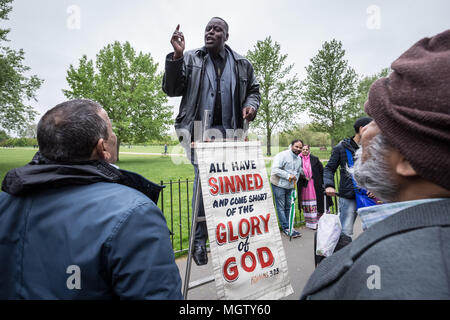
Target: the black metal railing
(175, 203)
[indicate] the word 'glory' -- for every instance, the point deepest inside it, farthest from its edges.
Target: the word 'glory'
(225, 233)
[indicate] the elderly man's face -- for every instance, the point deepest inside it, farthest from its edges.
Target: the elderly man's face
(215, 35)
(110, 145)
(372, 166)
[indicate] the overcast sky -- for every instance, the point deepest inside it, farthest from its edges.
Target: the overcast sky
(56, 33)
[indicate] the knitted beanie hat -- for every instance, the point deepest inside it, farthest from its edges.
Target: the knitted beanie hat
(412, 107)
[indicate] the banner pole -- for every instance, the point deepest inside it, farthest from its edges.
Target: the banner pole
(191, 238)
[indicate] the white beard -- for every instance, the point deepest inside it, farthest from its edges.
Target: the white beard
(374, 173)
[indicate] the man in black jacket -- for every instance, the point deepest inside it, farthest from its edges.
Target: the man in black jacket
(219, 91)
(404, 159)
(347, 202)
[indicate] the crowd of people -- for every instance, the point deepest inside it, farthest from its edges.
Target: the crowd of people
(71, 214)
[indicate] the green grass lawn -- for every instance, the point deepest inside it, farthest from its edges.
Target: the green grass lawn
(159, 149)
(174, 201)
(14, 157)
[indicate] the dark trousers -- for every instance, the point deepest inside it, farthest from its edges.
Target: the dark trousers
(201, 232)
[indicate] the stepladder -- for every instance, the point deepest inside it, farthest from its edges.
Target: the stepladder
(195, 220)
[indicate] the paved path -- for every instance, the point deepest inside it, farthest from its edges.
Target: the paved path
(300, 258)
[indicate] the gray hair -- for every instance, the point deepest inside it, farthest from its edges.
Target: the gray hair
(374, 174)
(70, 131)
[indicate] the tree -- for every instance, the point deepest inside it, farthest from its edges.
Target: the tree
(306, 134)
(16, 89)
(279, 92)
(29, 131)
(128, 86)
(3, 136)
(329, 84)
(358, 99)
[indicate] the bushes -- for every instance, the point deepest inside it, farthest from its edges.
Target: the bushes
(19, 142)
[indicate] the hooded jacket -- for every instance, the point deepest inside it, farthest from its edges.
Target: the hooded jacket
(83, 231)
(339, 158)
(184, 77)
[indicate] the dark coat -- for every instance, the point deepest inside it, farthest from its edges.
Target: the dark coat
(184, 77)
(317, 175)
(408, 252)
(86, 217)
(338, 158)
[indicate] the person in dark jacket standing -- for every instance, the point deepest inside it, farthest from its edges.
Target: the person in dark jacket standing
(404, 160)
(219, 91)
(73, 226)
(347, 201)
(312, 203)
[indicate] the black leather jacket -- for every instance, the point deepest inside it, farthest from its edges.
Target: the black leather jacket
(183, 77)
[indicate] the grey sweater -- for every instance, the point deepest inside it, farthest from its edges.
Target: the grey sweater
(405, 256)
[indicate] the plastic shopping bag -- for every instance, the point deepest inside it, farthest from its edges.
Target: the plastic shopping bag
(328, 233)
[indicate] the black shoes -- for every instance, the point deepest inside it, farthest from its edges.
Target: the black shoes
(200, 255)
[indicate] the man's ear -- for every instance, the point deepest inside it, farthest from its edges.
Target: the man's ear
(100, 151)
(404, 168)
(226, 38)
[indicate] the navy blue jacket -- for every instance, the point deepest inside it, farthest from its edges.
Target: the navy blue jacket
(79, 232)
(339, 158)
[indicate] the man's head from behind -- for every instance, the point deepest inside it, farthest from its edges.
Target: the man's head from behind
(77, 130)
(360, 123)
(405, 152)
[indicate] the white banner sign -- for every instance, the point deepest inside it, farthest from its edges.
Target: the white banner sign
(246, 248)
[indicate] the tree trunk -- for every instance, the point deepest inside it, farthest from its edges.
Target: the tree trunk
(268, 143)
(118, 147)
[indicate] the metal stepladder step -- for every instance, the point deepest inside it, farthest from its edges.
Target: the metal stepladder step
(195, 219)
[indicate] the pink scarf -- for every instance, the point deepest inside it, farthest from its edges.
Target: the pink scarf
(306, 165)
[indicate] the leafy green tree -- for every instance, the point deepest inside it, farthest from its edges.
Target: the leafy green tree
(29, 131)
(358, 99)
(327, 89)
(3, 136)
(16, 89)
(306, 134)
(128, 86)
(280, 92)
